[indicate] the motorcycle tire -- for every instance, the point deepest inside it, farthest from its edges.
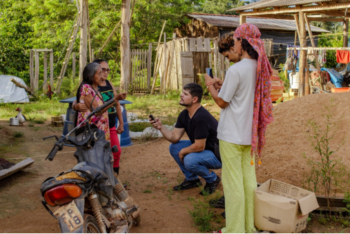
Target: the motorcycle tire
(90, 224)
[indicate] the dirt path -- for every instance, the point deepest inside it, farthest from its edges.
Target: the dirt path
(147, 168)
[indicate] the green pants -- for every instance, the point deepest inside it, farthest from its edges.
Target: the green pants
(239, 182)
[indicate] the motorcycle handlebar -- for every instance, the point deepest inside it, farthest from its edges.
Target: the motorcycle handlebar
(53, 153)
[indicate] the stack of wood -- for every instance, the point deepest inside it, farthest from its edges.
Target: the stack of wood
(57, 121)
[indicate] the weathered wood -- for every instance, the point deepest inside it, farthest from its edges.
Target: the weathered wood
(16, 168)
(187, 68)
(177, 62)
(162, 80)
(215, 58)
(88, 30)
(31, 69)
(206, 45)
(36, 77)
(51, 69)
(171, 63)
(45, 72)
(193, 44)
(222, 60)
(73, 66)
(200, 63)
(83, 39)
(200, 47)
(211, 60)
(125, 46)
(312, 42)
(149, 65)
(43, 50)
(345, 32)
(303, 85)
(22, 86)
(155, 72)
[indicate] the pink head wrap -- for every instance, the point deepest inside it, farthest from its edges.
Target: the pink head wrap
(262, 102)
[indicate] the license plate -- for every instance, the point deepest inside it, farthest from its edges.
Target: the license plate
(70, 215)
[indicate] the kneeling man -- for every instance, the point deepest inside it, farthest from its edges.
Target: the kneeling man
(195, 156)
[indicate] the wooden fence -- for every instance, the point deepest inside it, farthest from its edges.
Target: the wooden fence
(141, 70)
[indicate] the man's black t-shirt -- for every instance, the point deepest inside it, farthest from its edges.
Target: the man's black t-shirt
(202, 126)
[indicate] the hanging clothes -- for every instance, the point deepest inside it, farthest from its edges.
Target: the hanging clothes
(343, 56)
(322, 57)
(293, 53)
(311, 54)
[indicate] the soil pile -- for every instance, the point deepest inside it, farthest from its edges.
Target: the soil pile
(287, 137)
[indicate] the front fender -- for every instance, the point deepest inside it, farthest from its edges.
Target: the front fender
(80, 202)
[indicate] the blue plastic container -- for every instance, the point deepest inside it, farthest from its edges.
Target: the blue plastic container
(125, 139)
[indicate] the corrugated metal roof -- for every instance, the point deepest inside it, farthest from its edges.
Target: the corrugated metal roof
(275, 3)
(229, 21)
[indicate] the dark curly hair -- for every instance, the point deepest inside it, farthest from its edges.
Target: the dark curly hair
(226, 42)
(250, 50)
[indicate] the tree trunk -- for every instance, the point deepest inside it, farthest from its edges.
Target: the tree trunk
(125, 46)
(83, 38)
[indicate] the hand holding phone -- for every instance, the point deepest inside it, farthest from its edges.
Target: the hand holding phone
(151, 117)
(210, 72)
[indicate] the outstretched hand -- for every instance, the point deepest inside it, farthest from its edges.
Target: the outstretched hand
(120, 96)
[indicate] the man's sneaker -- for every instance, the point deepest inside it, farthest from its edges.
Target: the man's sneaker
(218, 203)
(210, 188)
(187, 184)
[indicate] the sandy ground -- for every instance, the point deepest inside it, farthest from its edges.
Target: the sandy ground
(151, 173)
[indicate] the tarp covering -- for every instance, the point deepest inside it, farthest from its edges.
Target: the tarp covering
(9, 92)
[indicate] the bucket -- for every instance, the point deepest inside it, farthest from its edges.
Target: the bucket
(14, 121)
(294, 80)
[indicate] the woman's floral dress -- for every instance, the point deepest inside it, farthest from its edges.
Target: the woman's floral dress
(100, 121)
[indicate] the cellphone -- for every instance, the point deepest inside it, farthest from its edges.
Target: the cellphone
(151, 117)
(210, 72)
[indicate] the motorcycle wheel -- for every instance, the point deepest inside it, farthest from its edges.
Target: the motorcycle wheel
(90, 224)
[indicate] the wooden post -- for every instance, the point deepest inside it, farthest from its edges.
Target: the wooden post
(215, 58)
(303, 81)
(88, 30)
(162, 85)
(149, 65)
(31, 70)
(73, 66)
(345, 32)
(312, 42)
(45, 72)
(125, 46)
(295, 37)
(242, 19)
(92, 54)
(171, 59)
(51, 69)
(36, 77)
(83, 39)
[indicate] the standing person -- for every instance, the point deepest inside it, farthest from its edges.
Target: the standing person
(195, 156)
(246, 110)
(108, 92)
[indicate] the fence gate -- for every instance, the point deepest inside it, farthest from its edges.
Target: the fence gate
(141, 70)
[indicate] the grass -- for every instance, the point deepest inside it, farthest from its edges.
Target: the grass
(147, 191)
(18, 134)
(138, 127)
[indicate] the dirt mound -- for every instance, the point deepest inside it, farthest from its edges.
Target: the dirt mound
(287, 137)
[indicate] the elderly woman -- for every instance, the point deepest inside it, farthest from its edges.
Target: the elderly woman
(88, 95)
(246, 111)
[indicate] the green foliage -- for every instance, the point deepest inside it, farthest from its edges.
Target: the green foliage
(283, 77)
(347, 202)
(18, 134)
(147, 191)
(327, 172)
(333, 41)
(221, 6)
(139, 126)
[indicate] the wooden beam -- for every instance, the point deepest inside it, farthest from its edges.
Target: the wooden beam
(283, 17)
(51, 69)
(242, 19)
(296, 17)
(149, 65)
(36, 77)
(73, 66)
(45, 72)
(302, 56)
(312, 42)
(325, 19)
(125, 46)
(31, 69)
(345, 32)
(334, 6)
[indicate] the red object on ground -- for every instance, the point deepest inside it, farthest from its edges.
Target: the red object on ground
(343, 56)
(277, 88)
(340, 90)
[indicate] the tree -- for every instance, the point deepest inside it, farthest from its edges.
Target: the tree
(221, 6)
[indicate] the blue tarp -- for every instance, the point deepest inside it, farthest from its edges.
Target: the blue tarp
(336, 77)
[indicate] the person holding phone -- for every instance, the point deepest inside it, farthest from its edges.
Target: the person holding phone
(195, 156)
(246, 110)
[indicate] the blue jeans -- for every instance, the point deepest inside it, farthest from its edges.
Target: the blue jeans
(195, 164)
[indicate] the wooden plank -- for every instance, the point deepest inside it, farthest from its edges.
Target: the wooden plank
(125, 46)
(242, 19)
(193, 44)
(312, 42)
(170, 74)
(222, 59)
(155, 72)
(187, 68)
(73, 66)
(45, 72)
(31, 70)
(206, 45)
(215, 58)
(51, 69)
(303, 85)
(16, 168)
(178, 64)
(162, 83)
(211, 60)
(200, 46)
(44, 50)
(36, 77)
(149, 65)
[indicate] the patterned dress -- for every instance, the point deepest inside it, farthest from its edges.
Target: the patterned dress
(100, 121)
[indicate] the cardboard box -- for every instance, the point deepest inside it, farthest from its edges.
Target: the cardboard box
(281, 207)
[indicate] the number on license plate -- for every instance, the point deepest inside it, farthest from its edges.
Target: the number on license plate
(70, 215)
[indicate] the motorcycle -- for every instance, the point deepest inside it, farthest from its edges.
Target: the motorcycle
(89, 198)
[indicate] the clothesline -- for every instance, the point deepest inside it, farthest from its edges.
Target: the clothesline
(319, 48)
